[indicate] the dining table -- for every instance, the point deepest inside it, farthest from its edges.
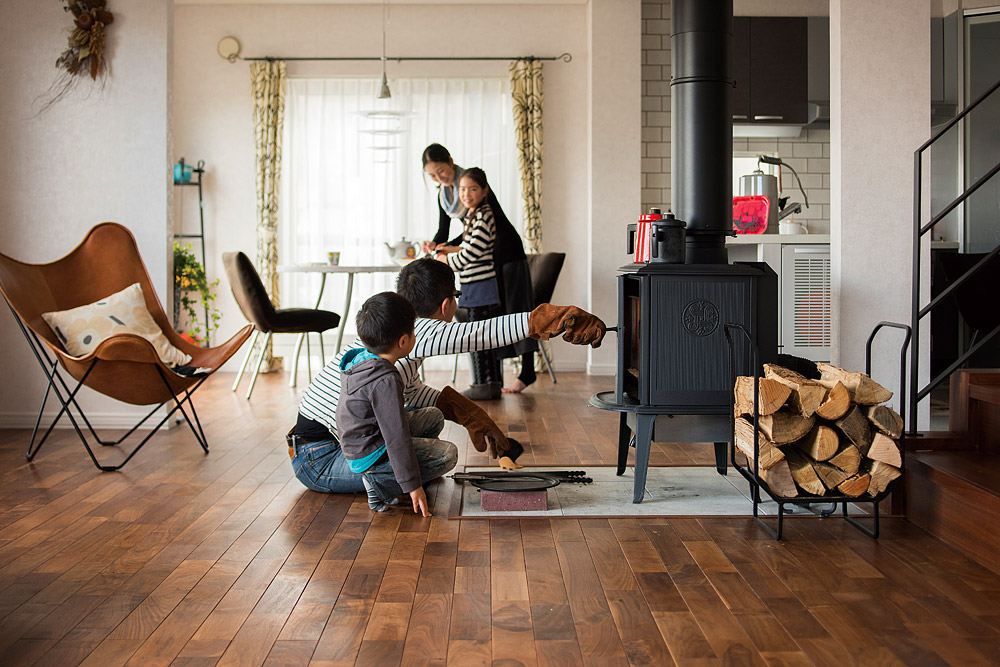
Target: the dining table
(325, 269)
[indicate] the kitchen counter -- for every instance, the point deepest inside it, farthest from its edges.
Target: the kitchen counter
(756, 239)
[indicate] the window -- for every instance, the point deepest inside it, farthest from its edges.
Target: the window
(351, 182)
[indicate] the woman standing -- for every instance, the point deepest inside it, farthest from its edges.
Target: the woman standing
(510, 266)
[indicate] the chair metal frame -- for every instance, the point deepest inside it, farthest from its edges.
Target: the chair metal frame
(50, 367)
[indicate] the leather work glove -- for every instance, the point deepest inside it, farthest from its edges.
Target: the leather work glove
(580, 327)
(483, 431)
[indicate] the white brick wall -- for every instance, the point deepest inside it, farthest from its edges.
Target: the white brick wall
(808, 154)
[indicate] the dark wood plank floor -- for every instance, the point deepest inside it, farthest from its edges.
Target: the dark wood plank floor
(190, 559)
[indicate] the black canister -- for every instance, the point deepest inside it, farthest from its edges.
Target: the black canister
(667, 239)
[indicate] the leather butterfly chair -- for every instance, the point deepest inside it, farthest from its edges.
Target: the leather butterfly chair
(257, 307)
(125, 367)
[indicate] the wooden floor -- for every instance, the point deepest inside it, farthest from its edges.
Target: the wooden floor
(190, 559)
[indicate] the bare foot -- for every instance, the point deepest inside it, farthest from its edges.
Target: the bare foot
(515, 387)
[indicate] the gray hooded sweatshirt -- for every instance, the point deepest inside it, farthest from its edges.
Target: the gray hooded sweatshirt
(370, 415)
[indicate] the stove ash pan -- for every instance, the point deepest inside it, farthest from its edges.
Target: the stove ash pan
(672, 349)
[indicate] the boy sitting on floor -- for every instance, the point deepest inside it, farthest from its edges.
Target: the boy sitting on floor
(375, 430)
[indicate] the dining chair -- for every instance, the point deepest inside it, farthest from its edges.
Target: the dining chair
(974, 296)
(544, 269)
(256, 306)
(126, 366)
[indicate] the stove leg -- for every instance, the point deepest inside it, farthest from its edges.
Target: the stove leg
(721, 451)
(624, 435)
(643, 438)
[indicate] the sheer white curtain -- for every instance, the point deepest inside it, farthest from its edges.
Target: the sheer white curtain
(351, 182)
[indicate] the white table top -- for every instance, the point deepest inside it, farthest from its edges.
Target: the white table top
(321, 267)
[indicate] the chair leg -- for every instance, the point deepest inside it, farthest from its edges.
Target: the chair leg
(243, 366)
(454, 371)
(309, 365)
(548, 364)
(295, 360)
(260, 360)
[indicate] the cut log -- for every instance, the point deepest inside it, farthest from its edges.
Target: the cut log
(836, 404)
(886, 420)
(806, 396)
(881, 475)
(820, 443)
(856, 427)
(855, 486)
(771, 396)
(847, 458)
(779, 479)
(784, 427)
(863, 389)
(886, 450)
(769, 454)
(831, 476)
(803, 473)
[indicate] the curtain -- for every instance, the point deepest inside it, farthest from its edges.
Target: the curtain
(526, 93)
(268, 83)
(352, 178)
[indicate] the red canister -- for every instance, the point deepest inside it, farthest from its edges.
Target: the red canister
(642, 236)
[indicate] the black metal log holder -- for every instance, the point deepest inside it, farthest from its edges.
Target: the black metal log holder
(752, 472)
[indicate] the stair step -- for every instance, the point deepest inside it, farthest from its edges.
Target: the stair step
(937, 440)
(985, 393)
(955, 495)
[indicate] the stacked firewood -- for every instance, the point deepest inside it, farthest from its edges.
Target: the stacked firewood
(831, 436)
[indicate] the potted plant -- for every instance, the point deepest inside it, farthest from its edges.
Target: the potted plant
(191, 288)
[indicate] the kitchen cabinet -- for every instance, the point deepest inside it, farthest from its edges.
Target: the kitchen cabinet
(771, 69)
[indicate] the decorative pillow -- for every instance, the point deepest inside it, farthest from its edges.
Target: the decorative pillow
(82, 329)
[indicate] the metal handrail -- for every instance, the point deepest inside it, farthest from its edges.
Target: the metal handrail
(916, 312)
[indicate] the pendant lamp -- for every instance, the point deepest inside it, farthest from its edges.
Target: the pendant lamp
(383, 92)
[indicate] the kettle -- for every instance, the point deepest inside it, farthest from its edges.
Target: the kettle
(402, 250)
(760, 184)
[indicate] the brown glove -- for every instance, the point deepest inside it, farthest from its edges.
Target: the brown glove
(580, 327)
(482, 430)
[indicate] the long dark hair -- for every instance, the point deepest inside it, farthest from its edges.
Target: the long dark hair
(435, 153)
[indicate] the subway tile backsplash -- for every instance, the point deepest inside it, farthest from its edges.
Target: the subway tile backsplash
(808, 154)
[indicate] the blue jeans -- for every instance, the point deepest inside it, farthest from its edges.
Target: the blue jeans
(321, 466)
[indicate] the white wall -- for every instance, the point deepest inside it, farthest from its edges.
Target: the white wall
(212, 107)
(96, 155)
(880, 86)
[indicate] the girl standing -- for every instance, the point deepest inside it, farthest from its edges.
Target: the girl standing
(473, 262)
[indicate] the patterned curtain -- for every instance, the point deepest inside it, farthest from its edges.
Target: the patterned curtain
(268, 81)
(526, 94)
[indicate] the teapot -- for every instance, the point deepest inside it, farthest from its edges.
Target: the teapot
(402, 250)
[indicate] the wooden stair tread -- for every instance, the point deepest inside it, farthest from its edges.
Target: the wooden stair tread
(972, 467)
(947, 440)
(987, 393)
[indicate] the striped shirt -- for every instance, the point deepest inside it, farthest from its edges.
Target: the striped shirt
(434, 337)
(474, 262)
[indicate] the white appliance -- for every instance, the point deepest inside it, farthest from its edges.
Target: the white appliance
(805, 301)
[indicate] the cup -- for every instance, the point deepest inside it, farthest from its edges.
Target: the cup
(789, 227)
(333, 258)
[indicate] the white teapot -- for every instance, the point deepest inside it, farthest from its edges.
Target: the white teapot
(402, 250)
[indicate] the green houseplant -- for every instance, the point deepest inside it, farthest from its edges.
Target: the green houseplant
(191, 288)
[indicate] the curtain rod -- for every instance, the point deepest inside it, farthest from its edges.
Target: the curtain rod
(564, 57)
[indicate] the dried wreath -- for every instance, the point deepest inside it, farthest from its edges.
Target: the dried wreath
(85, 52)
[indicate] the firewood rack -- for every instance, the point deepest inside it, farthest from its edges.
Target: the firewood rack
(751, 471)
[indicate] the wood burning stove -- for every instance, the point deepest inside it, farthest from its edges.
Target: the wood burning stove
(673, 373)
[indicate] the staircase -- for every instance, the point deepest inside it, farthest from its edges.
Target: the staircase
(953, 478)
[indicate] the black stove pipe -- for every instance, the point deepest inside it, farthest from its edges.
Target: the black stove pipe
(701, 136)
